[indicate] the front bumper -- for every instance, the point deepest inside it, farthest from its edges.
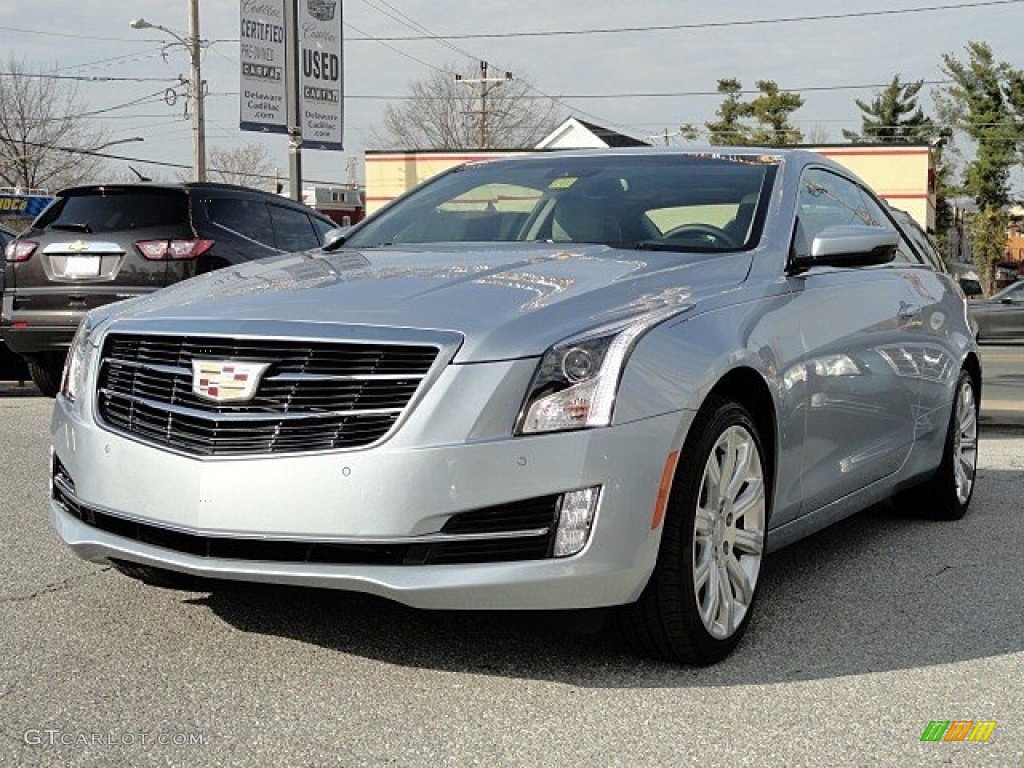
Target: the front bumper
(390, 495)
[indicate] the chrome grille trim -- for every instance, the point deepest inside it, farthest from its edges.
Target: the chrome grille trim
(320, 394)
(197, 413)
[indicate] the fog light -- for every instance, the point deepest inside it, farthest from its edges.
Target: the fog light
(575, 519)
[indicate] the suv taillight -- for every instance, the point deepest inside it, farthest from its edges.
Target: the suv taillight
(20, 250)
(166, 250)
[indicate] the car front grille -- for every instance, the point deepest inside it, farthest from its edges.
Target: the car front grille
(312, 396)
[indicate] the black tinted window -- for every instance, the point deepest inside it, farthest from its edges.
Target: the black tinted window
(112, 211)
(248, 218)
(293, 229)
(323, 227)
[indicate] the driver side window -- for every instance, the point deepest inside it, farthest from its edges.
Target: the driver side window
(829, 200)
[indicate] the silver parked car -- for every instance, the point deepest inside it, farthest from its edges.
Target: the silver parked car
(1001, 316)
(600, 379)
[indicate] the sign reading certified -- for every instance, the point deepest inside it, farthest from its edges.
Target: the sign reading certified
(262, 50)
(263, 86)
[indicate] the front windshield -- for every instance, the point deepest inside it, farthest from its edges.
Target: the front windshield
(653, 201)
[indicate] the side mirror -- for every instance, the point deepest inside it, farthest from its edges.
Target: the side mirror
(855, 245)
(335, 238)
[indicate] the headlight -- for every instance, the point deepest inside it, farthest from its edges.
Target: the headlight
(76, 368)
(577, 379)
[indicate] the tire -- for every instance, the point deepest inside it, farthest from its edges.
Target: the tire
(46, 371)
(947, 494)
(717, 541)
(159, 577)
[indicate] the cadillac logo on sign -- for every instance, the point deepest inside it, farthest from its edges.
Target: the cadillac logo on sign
(226, 381)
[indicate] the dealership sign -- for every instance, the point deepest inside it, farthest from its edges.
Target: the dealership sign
(263, 86)
(27, 206)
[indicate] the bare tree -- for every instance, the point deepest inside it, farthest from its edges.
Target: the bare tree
(44, 142)
(246, 165)
(817, 134)
(443, 112)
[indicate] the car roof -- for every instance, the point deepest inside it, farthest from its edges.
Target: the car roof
(182, 186)
(793, 155)
(709, 151)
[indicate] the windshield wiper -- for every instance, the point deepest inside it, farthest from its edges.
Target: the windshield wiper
(653, 245)
(72, 226)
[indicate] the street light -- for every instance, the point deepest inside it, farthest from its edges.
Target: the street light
(195, 84)
(115, 142)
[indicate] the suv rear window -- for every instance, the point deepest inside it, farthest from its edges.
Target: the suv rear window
(107, 212)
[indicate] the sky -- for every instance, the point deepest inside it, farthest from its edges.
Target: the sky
(642, 82)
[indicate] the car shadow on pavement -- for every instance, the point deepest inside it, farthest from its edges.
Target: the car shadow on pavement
(879, 591)
(13, 389)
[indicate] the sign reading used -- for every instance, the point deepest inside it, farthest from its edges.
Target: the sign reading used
(263, 86)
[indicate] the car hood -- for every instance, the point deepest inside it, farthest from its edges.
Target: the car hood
(506, 300)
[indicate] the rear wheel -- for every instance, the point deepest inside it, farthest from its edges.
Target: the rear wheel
(698, 602)
(46, 371)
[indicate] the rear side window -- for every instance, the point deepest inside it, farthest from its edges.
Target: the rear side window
(248, 218)
(117, 211)
(293, 229)
(323, 227)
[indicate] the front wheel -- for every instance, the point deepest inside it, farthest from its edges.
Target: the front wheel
(947, 494)
(698, 602)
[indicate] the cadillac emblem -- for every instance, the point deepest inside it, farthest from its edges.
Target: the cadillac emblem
(226, 381)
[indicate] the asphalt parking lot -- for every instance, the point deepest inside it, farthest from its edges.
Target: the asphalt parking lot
(864, 634)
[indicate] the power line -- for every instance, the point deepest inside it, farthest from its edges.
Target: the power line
(111, 60)
(700, 25)
(393, 48)
(88, 78)
(748, 91)
(631, 95)
(407, 21)
(159, 163)
(76, 36)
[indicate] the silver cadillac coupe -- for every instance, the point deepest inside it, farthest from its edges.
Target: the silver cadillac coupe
(601, 379)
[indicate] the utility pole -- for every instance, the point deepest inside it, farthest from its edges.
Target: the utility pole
(487, 84)
(198, 100)
(193, 45)
(293, 100)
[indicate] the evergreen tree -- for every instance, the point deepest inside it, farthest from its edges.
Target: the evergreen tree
(893, 117)
(771, 110)
(984, 101)
(729, 128)
(763, 120)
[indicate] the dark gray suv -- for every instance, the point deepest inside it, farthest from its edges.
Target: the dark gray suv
(99, 244)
